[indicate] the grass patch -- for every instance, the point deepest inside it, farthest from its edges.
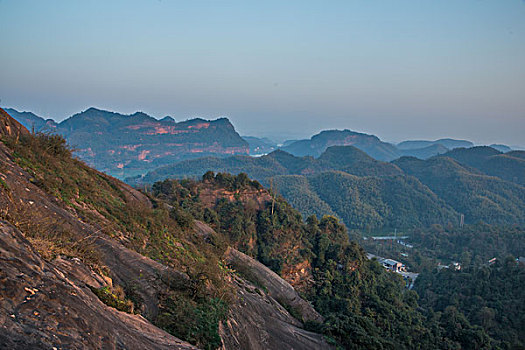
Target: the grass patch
(4, 185)
(195, 321)
(114, 297)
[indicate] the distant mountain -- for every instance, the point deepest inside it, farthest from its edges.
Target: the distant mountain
(516, 154)
(125, 145)
(501, 148)
(356, 162)
(31, 121)
(478, 196)
(259, 145)
(508, 166)
(370, 144)
(288, 142)
(343, 158)
(448, 143)
(425, 152)
(298, 192)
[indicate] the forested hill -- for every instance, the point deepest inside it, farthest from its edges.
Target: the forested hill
(125, 145)
(488, 297)
(509, 166)
(402, 194)
(478, 196)
(367, 203)
(343, 158)
(357, 297)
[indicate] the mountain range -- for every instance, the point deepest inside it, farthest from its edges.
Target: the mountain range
(370, 194)
(125, 145)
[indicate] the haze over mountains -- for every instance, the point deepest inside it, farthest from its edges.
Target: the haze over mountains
(125, 145)
(128, 145)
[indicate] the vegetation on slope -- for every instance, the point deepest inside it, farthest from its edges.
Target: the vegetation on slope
(479, 197)
(507, 166)
(368, 203)
(440, 190)
(162, 233)
(364, 305)
(490, 298)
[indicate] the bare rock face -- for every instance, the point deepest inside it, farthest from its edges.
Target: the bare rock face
(9, 126)
(126, 266)
(42, 306)
(147, 277)
(277, 288)
(257, 321)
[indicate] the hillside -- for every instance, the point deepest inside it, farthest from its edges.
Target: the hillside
(343, 158)
(368, 203)
(489, 297)
(507, 166)
(478, 196)
(430, 199)
(356, 296)
(356, 162)
(125, 145)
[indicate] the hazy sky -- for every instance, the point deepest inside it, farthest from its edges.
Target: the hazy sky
(397, 69)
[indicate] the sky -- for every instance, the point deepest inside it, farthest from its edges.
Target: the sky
(398, 69)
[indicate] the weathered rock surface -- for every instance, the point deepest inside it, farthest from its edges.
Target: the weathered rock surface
(43, 306)
(9, 126)
(258, 322)
(278, 288)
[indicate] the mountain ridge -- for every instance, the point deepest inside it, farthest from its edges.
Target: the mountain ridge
(123, 145)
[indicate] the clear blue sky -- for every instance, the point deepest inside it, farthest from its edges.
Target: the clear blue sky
(398, 69)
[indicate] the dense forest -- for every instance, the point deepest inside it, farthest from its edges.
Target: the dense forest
(478, 196)
(377, 196)
(491, 298)
(371, 203)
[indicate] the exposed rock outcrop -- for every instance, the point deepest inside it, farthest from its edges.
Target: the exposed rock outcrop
(9, 126)
(43, 306)
(277, 288)
(258, 322)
